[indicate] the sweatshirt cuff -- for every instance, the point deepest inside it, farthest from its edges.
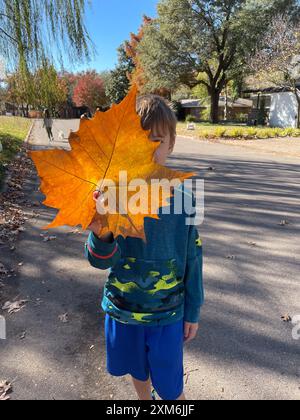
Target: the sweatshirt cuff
(192, 314)
(100, 247)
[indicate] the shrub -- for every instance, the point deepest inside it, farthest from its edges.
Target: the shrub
(234, 133)
(250, 133)
(220, 132)
(206, 134)
(296, 132)
(190, 119)
(287, 132)
(241, 117)
(264, 133)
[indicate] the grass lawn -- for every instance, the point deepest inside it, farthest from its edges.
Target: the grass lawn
(13, 130)
(217, 131)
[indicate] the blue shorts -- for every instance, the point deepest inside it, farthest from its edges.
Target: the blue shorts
(147, 350)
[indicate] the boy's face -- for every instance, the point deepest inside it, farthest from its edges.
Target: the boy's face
(163, 151)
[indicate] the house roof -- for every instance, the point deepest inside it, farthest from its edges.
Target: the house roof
(269, 88)
(200, 103)
(192, 103)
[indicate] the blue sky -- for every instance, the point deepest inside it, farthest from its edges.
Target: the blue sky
(109, 23)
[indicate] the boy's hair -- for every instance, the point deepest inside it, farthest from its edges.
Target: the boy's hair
(156, 112)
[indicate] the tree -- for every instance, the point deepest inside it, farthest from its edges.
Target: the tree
(30, 29)
(41, 89)
(70, 80)
(212, 37)
(50, 90)
(20, 90)
(89, 91)
(277, 60)
(137, 76)
(117, 84)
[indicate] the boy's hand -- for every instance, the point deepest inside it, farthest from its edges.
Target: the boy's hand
(190, 331)
(96, 225)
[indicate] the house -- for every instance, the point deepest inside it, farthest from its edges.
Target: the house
(237, 110)
(7, 108)
(280, 106)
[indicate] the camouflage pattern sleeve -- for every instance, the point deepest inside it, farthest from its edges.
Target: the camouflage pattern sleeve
(193, 280)
(100, 254)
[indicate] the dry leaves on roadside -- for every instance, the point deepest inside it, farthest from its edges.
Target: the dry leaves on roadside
(13, 307)
(13, 201)
(5, 389)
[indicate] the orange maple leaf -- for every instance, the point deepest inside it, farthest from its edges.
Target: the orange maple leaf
(111, 142)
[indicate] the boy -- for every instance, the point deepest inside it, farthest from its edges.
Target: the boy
(153, 295)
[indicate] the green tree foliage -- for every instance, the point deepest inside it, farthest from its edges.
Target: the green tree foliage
(19, 90)
(190, 37)
(42, 89)
(50, 90)
(31, 30)
(118, 84)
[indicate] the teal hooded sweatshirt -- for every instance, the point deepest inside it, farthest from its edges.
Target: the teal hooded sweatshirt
(156, 282)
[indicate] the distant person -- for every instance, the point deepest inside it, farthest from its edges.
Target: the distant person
(48, 124)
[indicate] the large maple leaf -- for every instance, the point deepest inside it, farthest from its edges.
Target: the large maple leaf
(111, 142)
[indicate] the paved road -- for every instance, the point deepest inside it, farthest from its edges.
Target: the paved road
(243, 350)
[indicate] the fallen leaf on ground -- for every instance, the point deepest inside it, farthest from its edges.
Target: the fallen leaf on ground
(64, 318)
(49, 238)
(13, 307)
(22, 335)
(5, 389)
(75, 231)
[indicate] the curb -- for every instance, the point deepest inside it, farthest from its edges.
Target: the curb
(26, 141)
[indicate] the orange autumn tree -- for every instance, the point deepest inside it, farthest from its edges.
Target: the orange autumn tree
(137, 77)
(111, 142)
